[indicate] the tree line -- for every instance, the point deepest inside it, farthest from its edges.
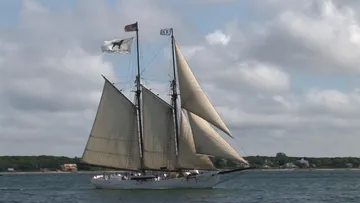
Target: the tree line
(281, 160)
(36, 163)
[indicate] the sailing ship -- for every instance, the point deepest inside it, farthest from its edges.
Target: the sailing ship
(151, 135)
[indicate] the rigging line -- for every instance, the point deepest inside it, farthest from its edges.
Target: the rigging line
(157, 89)
(129, 74)
(150, 48)
(141, 57)
(170, 65)
(230, 177)
(148, 65)
(170, 60)
(153, 79)
(129, 67)
(122, 81)
(241, 148)
(153, 58)
(119, 77)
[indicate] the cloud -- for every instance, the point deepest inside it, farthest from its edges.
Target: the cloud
(316, 36)
(213, 1)
(254, 75)
(51, 64)
(217, 37)
(251, 78)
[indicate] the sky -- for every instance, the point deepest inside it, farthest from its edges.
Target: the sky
(283, 74)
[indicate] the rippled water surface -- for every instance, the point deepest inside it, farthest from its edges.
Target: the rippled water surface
(250, 187)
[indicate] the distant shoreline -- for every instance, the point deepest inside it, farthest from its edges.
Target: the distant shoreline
(310, 169)
(100, 172)
(47, 172)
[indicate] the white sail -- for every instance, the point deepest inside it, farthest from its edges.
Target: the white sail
(159, 133)
(113, 141)
(187, 153)
(193, 98)
(209, 142)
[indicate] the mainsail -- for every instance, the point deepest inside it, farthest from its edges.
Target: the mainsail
(113, 141)
(159, 139)
(193, 98)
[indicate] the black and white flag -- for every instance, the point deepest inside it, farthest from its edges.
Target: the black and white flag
(166, 31)
(122, 46)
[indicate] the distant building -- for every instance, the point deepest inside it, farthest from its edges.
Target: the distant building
(349, 165)
(11, 169)
(69, 167)
(241, 164)
(304, 162)
(266, 166)
(44, 170)
(268, 163)
(290, 165)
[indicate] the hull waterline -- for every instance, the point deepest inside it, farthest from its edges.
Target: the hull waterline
(201, 181)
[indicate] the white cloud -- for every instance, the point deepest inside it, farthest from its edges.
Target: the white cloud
(213, 1)
(189, 51)
(218, 37)
(32, 6)
(312, 38)
(261, 76)
(51, 65)
(314, 35)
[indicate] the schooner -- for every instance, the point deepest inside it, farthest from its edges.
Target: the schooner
(152, 135)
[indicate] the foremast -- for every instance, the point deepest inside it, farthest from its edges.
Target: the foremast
(138, 98)
(131, 28)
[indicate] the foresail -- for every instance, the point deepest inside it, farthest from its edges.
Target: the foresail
(209, 142)
(193, 98)
(159, 133)
(113, 141)
(187, 152)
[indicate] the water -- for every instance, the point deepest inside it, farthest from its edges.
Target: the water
(250, 187)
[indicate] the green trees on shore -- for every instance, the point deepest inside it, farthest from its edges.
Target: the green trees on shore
(36, 163)
(281, 160)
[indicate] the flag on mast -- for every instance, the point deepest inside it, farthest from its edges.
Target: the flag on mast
(131, 27)
(122, 46)
(166, 31)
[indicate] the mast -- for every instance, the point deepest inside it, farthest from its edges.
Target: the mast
(138, 95)
(174, 95)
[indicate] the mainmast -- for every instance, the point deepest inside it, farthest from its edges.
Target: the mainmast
(174, 95)
(129, 28)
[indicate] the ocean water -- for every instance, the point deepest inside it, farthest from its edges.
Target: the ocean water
(250, 187)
